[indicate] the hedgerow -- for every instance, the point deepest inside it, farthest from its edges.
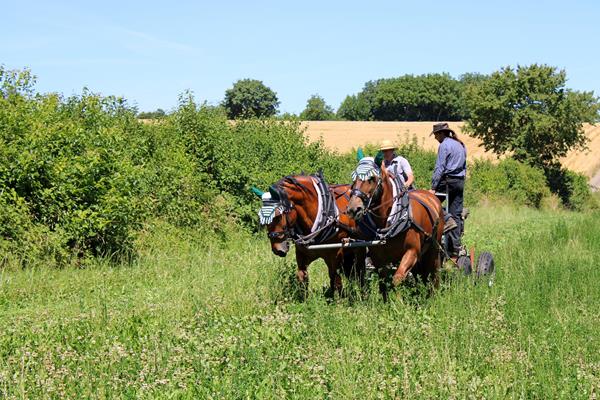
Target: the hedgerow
(508, 179)
(80, 176)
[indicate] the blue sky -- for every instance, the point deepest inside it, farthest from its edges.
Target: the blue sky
(149, 52)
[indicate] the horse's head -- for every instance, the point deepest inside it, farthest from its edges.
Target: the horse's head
(279, 215)
(366, 186)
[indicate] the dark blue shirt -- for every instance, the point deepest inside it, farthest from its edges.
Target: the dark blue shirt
(451, 161)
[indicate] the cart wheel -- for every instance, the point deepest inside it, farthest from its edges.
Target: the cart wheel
(464, 263)
(485, 264)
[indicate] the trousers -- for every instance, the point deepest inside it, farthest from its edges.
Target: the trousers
(455, 188)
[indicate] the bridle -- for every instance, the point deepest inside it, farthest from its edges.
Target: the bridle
(286, 233)
(365, 197)
(323, 226)
(285, 207)
(363, 173)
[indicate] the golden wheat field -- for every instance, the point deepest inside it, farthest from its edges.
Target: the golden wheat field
(345, 135)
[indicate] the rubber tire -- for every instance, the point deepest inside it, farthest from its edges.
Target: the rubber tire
(485, 264)
(464, 263)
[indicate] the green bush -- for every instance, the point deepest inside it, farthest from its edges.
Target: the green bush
(572, 188)
(484, 179)
(177, 181)
(526, 184)
(509, 178)
(231, 157)
(76, 162)
(258, 153)
(81, 176)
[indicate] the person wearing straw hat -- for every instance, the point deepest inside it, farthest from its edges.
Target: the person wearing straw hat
(396, 164)
(449, 177)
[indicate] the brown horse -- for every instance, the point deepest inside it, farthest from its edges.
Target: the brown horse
(308, 211)
(414, 246)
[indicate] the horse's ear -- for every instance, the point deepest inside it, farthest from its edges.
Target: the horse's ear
(359, 154)
(257, 191)
(384, 171)
(379, 158)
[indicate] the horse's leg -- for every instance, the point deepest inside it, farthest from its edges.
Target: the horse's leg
(302, 272)
(354, 265)
(383, 288)
(409, 259)
(359, 266)
(334, 261)
(430, 268)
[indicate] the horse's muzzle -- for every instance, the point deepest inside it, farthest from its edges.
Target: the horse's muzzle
(280, 249)
(356, 213)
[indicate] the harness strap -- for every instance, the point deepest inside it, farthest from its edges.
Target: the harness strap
(434, 223)
(328, 224)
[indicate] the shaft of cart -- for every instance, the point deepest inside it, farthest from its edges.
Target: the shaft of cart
(358, 243)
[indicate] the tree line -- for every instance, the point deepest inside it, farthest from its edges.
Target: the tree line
(526, 111)
(428, 97)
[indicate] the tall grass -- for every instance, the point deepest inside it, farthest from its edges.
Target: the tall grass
(215, 319)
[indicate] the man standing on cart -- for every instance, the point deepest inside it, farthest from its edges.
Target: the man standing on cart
(449, 177)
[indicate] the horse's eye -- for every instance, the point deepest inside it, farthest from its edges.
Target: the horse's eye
(372, 179)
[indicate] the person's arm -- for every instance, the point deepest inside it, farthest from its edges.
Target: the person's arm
(440, 164)
(410, 178)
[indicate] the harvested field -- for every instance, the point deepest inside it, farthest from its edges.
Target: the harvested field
(345, 135)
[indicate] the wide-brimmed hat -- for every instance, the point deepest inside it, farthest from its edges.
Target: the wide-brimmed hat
(387, 145)
(441, 127)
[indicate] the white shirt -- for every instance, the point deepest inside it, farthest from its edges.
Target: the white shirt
(400, 167)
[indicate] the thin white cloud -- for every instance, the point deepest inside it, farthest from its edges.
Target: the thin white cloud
(81, 62)
(144, 41)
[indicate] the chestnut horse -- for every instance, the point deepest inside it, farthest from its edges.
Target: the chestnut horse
(308, 211)
(415, 245)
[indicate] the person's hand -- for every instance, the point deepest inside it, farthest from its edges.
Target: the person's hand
(432, 191)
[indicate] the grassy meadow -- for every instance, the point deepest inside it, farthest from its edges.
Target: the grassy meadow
(214, 319)
(131, 267)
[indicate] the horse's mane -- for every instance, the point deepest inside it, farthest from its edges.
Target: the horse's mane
(292, 180)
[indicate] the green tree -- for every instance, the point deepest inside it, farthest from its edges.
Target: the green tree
(465, 81)
(317, 110)
(250, 98)
(355, 108)
(430, 97)
(158, 114)
(287, 116)
(528, 112)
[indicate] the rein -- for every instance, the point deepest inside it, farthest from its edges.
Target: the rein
(368, 200)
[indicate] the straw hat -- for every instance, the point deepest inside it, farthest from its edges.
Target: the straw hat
(387, 145)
